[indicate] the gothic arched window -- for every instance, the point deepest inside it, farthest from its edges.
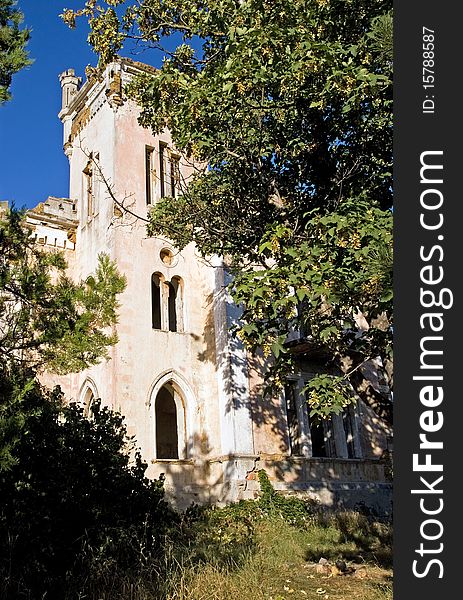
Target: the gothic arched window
(89, 399)
(170, 423)
(88, 396)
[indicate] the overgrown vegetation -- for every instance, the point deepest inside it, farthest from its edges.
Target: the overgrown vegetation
(108, 534)
(279, 566)
(74, 506)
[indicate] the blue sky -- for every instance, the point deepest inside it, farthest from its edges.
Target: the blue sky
(32, 162)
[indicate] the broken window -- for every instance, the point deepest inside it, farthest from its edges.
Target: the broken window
(91, 186)
(166, 256)
(172, 308)
(163, 168)
(348, 421)
(96, 186)
(167, 438)
(175, 304)
(303, 310)
(174, 175)
(88, 398)
(334, 437)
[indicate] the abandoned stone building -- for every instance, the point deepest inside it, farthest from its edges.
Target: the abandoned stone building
(188, 390)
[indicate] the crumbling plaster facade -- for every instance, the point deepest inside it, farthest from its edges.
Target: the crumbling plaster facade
(181, 362)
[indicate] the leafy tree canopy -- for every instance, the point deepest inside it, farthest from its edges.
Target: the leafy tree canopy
(289, 104)
(13, 40)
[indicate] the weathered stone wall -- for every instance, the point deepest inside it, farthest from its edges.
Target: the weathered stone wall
(144, 356)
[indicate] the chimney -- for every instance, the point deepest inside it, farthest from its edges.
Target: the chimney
(70, 85)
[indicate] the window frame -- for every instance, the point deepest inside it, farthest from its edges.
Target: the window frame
(150, 176)
(179, 399)
(88, 188)
(157, 301)
(169, 171)
(170, 307)
(334, 432)
(163, 426)
(162, 168)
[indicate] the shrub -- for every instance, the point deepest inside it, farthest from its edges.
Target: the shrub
(294, 510)
(234, 525)
(74, 504)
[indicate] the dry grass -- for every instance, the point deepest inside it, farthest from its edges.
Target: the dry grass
(224, 557)
(278, 569)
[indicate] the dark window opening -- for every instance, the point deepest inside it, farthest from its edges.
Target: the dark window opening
(303, 313)
(163, 168)
(174, 176)
(349, 431)
(166, 424)
(294, 432)
(156, 301)
(169, 172)
(322, 439)
(166, 256)
(89, 399)
(318, 440)
(172, 305)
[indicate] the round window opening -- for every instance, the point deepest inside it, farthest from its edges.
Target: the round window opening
(167, 257)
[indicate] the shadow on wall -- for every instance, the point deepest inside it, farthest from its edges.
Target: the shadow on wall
(241, 373)
(332, 484)
(206, 479)
(209, 332)
(201, 479)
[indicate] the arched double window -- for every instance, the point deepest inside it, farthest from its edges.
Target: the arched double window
(166, 303)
